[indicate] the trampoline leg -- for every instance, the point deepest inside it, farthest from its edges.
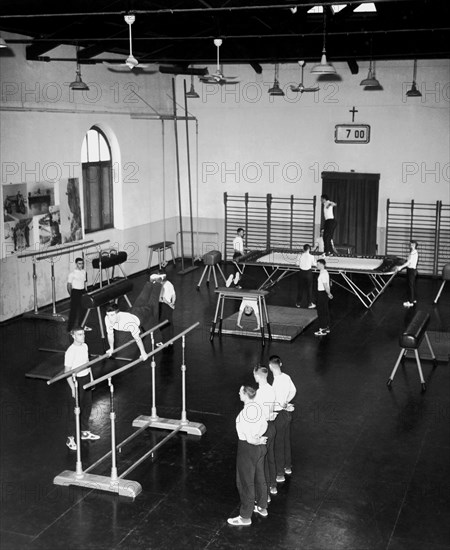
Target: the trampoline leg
(439, 292)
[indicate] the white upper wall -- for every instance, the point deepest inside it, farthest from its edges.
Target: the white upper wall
(252, 142)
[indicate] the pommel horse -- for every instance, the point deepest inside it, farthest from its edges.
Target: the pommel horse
(118, 483)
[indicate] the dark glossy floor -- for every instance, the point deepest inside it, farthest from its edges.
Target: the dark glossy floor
(371, 466)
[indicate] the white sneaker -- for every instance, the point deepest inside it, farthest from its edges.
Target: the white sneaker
(89, 435)
(320, 332)
(237, 278)
(71, 443)
(229, 281)
(407, 304)
(312, 306)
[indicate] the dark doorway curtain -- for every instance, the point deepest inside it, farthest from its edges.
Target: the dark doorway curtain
(356, 196)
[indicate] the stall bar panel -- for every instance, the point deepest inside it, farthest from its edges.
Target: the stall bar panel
(423, 222)
(443, 240)
(247, 212)
(269, 221)
(292, 221)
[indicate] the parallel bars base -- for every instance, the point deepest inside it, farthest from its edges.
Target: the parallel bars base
(123, 487)
(193, 428)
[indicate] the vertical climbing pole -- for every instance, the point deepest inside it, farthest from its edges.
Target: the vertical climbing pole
(177, 157)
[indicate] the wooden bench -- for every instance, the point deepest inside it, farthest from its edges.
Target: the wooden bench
(411, 339)
(161, 248)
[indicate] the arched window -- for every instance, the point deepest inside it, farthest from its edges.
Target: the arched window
(97, 181)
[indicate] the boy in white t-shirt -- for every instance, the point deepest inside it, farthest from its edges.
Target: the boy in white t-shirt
(76, 355)
(323, 297)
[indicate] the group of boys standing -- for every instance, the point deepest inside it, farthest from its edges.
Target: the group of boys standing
(264, 445)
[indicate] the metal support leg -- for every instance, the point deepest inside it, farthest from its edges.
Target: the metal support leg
(79, 466)
(213, 325)
(419, 368)
(441, 288)
(202, 277)
(433, 356)
(394, 370)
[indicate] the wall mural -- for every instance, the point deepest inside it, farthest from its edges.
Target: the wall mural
(38, 215)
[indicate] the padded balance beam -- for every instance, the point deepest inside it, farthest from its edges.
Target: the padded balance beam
(102, 296)
(411, 339)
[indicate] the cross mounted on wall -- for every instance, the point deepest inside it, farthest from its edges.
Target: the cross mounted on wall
(353, 111)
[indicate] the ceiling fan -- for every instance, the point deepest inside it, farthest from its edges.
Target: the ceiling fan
(218, 77)
(131, 63)
(301, 88)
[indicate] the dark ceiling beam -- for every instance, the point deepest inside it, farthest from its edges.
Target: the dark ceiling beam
(213, 9)
(353, 66)
(38, 48)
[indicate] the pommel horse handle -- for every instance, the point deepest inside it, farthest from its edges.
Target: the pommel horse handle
(136, 361)
(70, 373)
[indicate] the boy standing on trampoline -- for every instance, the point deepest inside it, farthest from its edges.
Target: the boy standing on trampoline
(329, 225)
(76, 355)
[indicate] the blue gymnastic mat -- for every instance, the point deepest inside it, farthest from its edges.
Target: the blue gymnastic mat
(286, 323)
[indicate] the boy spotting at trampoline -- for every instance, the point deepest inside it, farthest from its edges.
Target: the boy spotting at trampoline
(238, 244)
(323, 297)
(76, 355)
(122, 320)
(411, 273)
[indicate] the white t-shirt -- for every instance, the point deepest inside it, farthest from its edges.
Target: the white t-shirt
(250, 303)
(124, 321)
(238, 244)
(328, 210)
(413, 258)
(265, 396)
(250, 422)
(77, 279)
(324, 277)
(75, 356)
(167, 294)
(284, 389)
(306, 261)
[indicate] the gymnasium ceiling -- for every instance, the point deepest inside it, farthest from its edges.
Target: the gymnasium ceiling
(181, 32)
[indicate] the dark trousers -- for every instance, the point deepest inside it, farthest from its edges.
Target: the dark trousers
(77, 311)
(412, 277)
(166, 314)
(250, 479)
(270, 469)
(328, 231)
(305, 287)
(322, 309)
(283, 441)
(85, 402)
